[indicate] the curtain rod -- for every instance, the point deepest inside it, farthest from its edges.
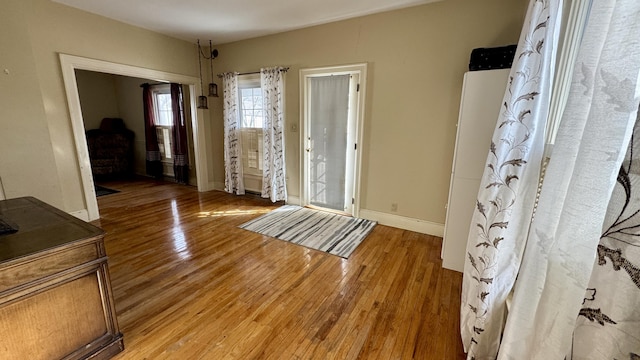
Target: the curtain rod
(159, 83)
(254, 72)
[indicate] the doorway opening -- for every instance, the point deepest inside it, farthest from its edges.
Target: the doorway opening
(70, 64)
(113, 113)
(332, 107)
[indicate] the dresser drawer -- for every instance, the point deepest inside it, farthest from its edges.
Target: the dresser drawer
(29, 271)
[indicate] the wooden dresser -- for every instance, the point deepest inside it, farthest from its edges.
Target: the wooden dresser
(55, 293)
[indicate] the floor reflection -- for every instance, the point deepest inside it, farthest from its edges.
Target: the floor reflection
(231, 213)
(179, 241)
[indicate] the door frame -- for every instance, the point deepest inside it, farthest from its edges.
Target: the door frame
(70, 63)
(361, 70)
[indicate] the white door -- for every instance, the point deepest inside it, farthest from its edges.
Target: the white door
(331, 108)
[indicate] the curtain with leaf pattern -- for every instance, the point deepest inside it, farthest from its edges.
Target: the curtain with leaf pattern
(608, 325)
(563, 244)
(274, 184)
(572, 269)
(233, 177)
(509, 184)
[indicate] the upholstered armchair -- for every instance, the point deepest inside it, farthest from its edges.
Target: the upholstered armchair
(111, 149)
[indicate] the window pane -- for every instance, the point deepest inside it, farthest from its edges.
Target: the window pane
(167, 143)
(247, 104)
(251, 107)
(247, 118)
(164, 101)
(164, 118)
(257, 118)
(164, 112)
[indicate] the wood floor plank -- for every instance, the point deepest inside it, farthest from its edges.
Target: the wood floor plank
(189, 284)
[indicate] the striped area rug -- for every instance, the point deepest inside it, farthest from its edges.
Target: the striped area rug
(332, 233)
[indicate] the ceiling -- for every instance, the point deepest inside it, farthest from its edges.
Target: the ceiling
(230, 20)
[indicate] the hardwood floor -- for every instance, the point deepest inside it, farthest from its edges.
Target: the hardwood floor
(189, 284)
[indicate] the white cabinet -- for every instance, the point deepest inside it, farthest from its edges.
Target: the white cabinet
(482, 94)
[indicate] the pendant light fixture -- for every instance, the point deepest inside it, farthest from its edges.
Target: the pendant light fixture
(213, 87)
(202, 100)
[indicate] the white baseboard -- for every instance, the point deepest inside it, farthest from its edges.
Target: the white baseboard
(402, 222)
(81, 214)
(293, 200)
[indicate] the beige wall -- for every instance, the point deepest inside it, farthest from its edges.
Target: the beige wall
(129, 97)
(27, 164)
(107, 95)
(416, 56)
(38, 155)
(97, 92)
(416, 60)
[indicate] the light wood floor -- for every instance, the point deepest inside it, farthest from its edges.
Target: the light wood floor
(189, 284)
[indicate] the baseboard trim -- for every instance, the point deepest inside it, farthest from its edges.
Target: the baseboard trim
(402, 222)
(81, 214)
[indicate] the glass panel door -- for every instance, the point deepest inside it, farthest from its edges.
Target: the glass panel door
(332, 112)
(327, 142)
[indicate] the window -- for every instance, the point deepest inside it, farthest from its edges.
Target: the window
(250, 96)
(162, 104)
(251, 107)
(251, 120)
(163, 134)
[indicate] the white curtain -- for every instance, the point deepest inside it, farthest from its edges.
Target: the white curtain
(591, 143)
(329, 117)
(503, 211)
(609, 323)
(233, 179)
(561, 243)
(274, 184)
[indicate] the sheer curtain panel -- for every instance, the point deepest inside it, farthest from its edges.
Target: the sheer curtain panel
(590, 146)
(561, 307)
(328, 120)
(233, 179)
(504, 207)
(274, 185)
(608, 325)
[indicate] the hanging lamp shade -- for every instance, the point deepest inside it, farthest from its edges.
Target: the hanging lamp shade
(202, 102)
(213, 89)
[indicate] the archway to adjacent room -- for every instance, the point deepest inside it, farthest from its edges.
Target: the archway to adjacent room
(70, 63)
